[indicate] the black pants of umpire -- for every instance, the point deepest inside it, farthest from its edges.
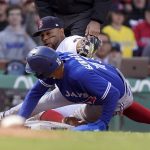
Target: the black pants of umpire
(76, 24)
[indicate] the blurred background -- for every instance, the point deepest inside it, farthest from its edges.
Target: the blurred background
(126, 44)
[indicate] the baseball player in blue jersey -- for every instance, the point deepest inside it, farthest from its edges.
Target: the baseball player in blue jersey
(52, 35)
(80, 80)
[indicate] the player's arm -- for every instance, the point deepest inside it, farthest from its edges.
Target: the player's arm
(100, 10)
(107, 95)
(33, 97)
(85, 46)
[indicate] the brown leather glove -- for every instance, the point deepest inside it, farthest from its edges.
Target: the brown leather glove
(73, 121)
(88, 45)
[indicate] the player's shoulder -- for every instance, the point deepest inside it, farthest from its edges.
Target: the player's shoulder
(70, 40)
(69, 44)
(78, 67)
(64, 56)
(77, 73)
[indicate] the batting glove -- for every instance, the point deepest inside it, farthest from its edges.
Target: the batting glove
(96, 126)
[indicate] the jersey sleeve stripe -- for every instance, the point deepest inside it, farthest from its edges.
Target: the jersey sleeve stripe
(106, 91)
(45, 84)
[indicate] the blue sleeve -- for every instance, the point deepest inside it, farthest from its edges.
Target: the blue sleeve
(32, 98)
(106, 94)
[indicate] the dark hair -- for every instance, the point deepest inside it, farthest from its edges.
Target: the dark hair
(147, 9)
(14, 7)
(116, 47)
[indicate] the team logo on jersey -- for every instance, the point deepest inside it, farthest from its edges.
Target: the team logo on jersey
(90, 100)
(73, 94)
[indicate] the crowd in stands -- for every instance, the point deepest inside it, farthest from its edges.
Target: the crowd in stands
(129, 25)
(126, 32)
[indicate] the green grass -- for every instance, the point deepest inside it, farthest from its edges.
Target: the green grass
(65, 140)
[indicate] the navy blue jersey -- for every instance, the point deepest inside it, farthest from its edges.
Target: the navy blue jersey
(84, 81)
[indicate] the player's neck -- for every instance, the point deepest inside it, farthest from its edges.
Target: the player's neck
(59, 72)
(62, 38)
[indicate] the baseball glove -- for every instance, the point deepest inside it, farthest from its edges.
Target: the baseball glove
(73, 121)
(88, 46)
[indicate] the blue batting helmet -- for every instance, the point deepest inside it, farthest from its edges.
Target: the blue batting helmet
(42, 61)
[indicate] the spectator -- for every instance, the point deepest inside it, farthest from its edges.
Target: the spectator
(115, 55)
(80, 17)
(31, 19)
(128, 6)
(15, 43)
(3, 16)
(126, 3)
(103, 50)
(109, 53)
(16, 2)
(146, 51)
(137, 13)
(142, 31)
(120, 33)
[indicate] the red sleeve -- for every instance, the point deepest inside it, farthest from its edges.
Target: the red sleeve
(137, 32)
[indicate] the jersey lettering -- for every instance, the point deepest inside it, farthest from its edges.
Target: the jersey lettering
(98, 65)
(81, 61)
(72, 94)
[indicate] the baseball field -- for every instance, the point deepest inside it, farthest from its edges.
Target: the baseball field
(66, 140)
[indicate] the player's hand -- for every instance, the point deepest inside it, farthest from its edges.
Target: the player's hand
(96, 126)
(93, 28)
